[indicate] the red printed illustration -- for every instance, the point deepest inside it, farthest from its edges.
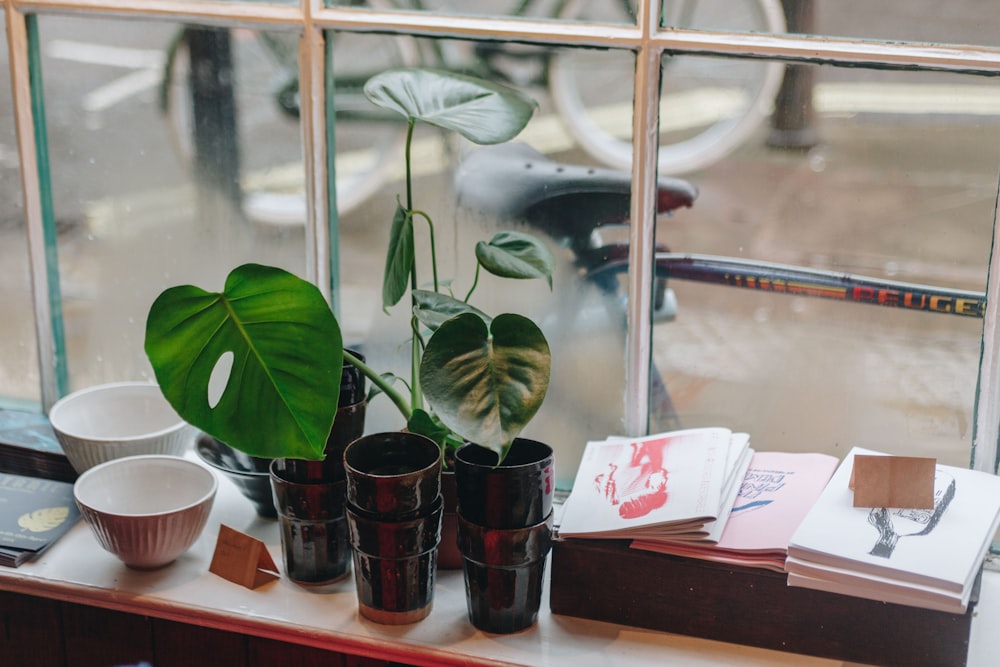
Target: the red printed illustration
(637, 481)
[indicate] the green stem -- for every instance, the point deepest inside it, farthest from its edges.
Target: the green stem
(416, 393)
(383, 384)
(430, 231)
(475, 281)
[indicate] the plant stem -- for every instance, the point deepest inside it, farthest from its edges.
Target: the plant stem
(430, 232)
(475, 281)
(380, 382)
(416, 393)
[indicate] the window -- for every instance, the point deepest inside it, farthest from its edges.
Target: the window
(878, 157)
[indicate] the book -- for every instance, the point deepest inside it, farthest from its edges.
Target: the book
(926, 557)
(34, 513)
(675, 483)
(29, 446)
(773, 498)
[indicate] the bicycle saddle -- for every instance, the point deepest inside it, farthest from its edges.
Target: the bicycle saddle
(516, 183)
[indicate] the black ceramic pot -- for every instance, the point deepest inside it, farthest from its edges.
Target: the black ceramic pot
(513, 494)
(394, 475)
(394, 516)
(504, 573)
(314, 532)
(394, 565)
(504, 531)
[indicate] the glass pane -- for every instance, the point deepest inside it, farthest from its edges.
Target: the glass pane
(146, 198)
(613, 11)
(727, 15)
(964, 22)
(882, 174)
(19, 374)
(470, 193)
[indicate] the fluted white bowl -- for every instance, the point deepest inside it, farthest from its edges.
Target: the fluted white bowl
(147, 510)
(109, 421)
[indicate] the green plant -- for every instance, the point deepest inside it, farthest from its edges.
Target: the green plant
(258, 365)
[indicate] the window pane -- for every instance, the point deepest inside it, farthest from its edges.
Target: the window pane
(495, 188)
(615, 11)
(145, 198)
(964, 22)
(19, 378)
(900, 185)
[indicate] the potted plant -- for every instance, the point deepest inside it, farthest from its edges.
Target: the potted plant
(258, 365)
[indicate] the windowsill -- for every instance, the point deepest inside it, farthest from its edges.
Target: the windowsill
(77, 570)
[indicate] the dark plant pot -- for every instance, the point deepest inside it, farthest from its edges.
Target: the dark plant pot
(394, 565)
(394, 475)
(449, 557)
(394, 514)
(314, 533)
(249, 473)
(504, 573)
(348, 426)
(514, 494)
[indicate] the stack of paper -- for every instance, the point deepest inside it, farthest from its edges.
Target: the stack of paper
(777, 491)
(924, 558)
(681, 483)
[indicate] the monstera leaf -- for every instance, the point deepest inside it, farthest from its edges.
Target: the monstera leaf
(434, 308)
(516, 255)
(486, 382)
(278, 397)
(481, 111)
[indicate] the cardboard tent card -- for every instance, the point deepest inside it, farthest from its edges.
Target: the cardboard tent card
(893, 481)
(242, 559)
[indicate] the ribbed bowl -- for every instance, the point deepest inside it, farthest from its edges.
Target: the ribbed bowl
(146, 510)
(110, 421)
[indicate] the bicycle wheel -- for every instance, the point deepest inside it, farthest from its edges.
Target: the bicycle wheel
(708, 106)
(266, 90)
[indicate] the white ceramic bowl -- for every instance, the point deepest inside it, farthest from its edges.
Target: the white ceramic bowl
(109, 421)
(147, 510)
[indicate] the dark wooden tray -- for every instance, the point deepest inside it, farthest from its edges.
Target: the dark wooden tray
(604, 580)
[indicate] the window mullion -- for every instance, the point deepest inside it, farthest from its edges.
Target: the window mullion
(39, 218)
(642, 231)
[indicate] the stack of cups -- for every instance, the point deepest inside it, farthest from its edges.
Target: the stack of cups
(309, 495)
(394, 520)
(504, 531)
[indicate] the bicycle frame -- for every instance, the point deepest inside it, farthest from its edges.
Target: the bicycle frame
(803, 281)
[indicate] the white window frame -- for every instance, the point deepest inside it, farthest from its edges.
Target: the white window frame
(645, 39)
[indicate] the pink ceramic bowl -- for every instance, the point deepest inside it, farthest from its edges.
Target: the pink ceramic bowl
(147, 510)
(109, 421)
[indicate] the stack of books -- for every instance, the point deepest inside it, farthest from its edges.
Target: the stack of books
(926, 558)
(28, 446)
(680, 484)
(34, 513)
(777, 491)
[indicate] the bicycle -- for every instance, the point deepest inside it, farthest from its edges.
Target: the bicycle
(710, 106)
(582, 209)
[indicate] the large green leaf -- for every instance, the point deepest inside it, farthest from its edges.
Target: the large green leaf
(482, 112)
(399, 258)
(486, 383)
(280, 396)
(433, 308)
(516, 255)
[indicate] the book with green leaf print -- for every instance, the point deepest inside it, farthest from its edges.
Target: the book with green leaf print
(34, 513)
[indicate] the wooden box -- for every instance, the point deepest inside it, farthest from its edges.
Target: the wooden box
(604, 580)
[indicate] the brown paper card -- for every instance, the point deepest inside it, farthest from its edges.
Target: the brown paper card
(242, 559)
(893, 481)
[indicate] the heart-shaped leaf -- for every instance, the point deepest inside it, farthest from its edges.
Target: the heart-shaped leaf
(486, 383)
(516, 255)
(399, 258)
(481, 111)
(280, 395)
(433, 308)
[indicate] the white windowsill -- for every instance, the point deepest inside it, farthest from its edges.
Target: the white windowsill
(77, 570)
